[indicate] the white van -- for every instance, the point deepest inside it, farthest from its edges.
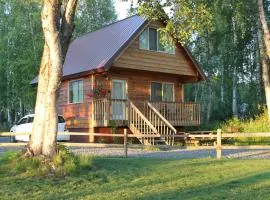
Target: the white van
(25, 124)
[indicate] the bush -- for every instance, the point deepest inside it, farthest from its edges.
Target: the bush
(260, 123)
(214, 125)
(62, 164)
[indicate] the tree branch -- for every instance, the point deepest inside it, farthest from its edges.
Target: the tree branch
(67, 25)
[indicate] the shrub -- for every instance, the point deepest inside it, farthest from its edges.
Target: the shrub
(258, 124)
(62, 164)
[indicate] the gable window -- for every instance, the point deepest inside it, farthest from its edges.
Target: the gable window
(153, 39)
(150, 39)
(76, 91)
(144, 39)
(162, 91)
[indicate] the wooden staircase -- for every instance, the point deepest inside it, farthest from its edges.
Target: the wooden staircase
(148, 124)
(151, 127)
(141, 126)
(164, 128)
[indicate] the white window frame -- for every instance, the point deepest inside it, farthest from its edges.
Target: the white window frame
(148, 46)
(162, 83)
(69, 91)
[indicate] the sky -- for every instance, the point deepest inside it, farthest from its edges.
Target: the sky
(121, 7)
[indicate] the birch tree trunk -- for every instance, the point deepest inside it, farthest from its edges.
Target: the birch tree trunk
(266, 33)
(264, 59)
(57, 27)
(234, 84)
(209, 104)
(265, 72)
(234, 94)
(222, 85)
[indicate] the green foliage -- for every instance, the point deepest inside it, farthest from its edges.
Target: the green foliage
(186, 17)
(214, 125)
(231, 45)
(64, 163)
(257, 124)
(22, 43)
(260, 123)
(92, 15)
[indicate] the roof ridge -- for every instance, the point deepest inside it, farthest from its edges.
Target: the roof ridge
(106, 26)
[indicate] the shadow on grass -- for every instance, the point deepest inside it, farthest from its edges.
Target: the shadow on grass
(140, 178)
(231, 189)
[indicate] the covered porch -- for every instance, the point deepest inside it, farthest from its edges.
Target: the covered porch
(119, 112)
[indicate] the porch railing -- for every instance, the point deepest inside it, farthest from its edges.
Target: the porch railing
(106, 110)
(178, 113)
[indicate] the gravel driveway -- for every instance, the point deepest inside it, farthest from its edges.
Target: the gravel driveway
(171, 154)
(177, 154)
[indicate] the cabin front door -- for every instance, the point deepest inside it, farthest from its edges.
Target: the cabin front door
(118, 99)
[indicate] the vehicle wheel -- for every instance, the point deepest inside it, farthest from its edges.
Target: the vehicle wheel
(12, 139)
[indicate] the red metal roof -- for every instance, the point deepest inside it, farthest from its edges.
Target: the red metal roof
(97, 50)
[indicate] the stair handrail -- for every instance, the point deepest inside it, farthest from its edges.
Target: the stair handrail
(162, 118)
(143, 117)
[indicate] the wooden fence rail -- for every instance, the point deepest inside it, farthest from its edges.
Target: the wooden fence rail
(125, 136)
(217, 135)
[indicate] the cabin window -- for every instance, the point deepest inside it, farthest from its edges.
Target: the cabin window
(162, 91)
(153, 39)
(156, 91)
(167, 92)
(76, 91)
(144, 39)
(150, 39)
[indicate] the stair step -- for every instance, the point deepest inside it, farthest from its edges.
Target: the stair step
(159, 140)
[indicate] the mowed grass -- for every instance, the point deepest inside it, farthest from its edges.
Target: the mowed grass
(144, 178)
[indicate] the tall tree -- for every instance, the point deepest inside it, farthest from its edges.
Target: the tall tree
(57, 22)
(93, 14)
(184, 19)
(264, 63)
(19, 56)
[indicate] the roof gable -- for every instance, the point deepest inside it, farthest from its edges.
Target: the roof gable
(180, 62)
(96, 50)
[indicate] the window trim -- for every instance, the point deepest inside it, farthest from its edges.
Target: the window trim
(69, 91)
(162, 83)
(148, 45)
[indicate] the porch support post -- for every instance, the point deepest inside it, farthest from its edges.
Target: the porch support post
(182, 92)
(91, 130)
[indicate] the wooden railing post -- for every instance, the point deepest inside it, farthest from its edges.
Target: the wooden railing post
(219, 144)
(125, 142)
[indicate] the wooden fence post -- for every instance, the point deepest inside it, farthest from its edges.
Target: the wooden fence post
(125, 142)
(219, 145)
(91, 136)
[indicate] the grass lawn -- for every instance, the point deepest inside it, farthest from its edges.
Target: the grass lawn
(144, 178)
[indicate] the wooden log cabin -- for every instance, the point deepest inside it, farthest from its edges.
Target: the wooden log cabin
(123, 76)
